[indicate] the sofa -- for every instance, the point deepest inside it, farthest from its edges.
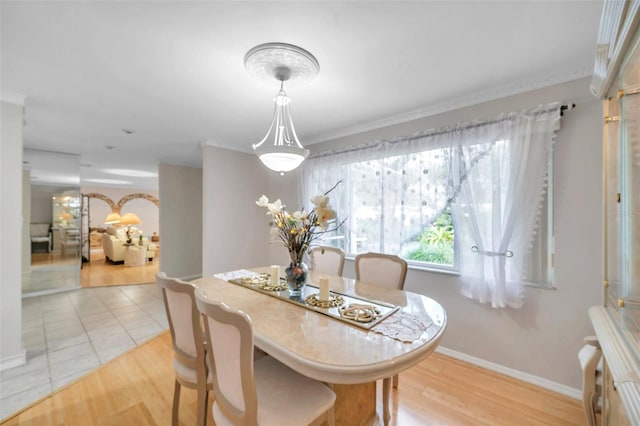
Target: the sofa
(113, 244)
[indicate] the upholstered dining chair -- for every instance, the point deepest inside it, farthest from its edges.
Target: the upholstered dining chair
(389, 271)
(263, 391)
(327, 260)
(189, 347)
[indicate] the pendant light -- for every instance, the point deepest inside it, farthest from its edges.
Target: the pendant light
(280, 149)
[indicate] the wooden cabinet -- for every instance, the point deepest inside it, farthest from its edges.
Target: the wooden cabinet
(617, 323)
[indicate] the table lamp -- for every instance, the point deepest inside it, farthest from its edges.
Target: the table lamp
(129, 219)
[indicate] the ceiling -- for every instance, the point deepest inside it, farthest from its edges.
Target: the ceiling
(172, 72)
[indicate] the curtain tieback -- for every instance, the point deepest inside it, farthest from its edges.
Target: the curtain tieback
(507, 253)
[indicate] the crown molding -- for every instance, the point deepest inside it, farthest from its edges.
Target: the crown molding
(13, 98)
(457, 103)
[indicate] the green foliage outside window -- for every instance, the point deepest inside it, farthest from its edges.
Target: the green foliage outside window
(435, 242)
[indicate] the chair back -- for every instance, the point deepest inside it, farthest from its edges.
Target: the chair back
(39, 230)
(327, 260)
(184, 322)
(384, 270)
(233, 384)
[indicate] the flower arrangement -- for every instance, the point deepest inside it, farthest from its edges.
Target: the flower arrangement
(299, 229)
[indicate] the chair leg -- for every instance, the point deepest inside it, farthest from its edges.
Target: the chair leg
(386, 390)
(203, 397)
(176, 404)
(395, 381)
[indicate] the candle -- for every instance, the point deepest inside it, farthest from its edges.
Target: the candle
(324, 288)
(275, 275)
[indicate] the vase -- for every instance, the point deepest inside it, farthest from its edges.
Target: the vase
(296, 278)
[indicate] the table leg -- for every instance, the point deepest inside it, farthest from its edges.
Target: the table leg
(355, 404)
(386, 391)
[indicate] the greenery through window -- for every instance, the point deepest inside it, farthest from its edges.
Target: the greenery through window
(435, 243)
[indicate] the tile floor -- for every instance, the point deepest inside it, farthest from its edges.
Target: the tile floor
(68, 334)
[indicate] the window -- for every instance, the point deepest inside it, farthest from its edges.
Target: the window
(466, 198)
(391, 208)
(391, 205)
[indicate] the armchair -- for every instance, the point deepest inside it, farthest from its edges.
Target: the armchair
(113, 247)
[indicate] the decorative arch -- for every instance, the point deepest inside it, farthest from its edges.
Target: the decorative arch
(130, 197)
(106, 199)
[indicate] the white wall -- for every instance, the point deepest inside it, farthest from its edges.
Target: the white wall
(180, 233)
(11, 232)
(148, 212)
(235, 229)
(41, 203)
(542, 338)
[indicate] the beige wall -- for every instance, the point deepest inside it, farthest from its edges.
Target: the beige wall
(180, 192)
(11, 236)
(235, 229)
(543, 338)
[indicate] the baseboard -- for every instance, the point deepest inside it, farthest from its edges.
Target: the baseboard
(14, 361)
(516, 374)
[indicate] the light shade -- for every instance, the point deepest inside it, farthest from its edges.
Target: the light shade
(112, 218)
(287, 152)
(130, 219)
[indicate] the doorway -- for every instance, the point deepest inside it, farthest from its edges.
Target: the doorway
(111, 260)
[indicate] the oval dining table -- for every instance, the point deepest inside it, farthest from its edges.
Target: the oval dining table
(348, 358)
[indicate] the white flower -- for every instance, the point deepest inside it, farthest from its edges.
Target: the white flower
(263, 201)
(320, 200)
(325, 214)
(275, 207)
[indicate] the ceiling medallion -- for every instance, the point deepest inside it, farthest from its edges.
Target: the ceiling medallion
(262, 61)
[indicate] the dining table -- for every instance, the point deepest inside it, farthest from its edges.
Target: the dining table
(348, 356)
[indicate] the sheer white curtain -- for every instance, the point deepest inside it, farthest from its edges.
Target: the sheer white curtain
(498, 207)
(393, 189)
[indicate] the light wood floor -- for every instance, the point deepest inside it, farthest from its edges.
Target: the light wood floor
(137, 388)
(100, 272)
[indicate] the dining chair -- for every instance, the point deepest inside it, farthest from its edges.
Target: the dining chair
(590, 357)
(189, 347)
(69, 241)
(327, 260)
(388, 271)
(251, 392)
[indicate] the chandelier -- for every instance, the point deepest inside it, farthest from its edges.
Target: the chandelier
(280, 149)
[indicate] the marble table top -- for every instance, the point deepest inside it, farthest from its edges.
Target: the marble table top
(327, 349)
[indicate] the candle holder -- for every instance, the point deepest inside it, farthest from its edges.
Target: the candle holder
(334, 301)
